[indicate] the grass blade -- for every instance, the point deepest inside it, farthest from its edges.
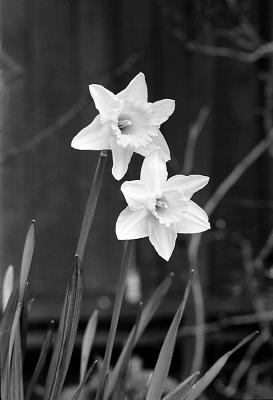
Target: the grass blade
(16, 374)
(91, 204)
(7, 288)
(182, 390)
(147, 314)
(66, 336)
(115, 316)
(120, 388)
(26, 260)
(208, 377)
(41, 360)
(165, 356)
(87, 342)
(24, 322)
(77, 394)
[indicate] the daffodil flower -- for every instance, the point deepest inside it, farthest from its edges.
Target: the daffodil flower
(126, 123)
(159, 207)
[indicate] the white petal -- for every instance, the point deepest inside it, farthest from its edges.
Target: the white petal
(162, 238)
(195, 220)
(154, 172)
(187, 185)
(121, 158)
(93, 137)
(106, 102)
(162, 109)
(132, 224)
(136, 90)
(158, 142)
(135, 193)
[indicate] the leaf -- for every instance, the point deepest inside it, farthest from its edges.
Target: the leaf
(182, 390)
(7, 287)
(5, 329)
(115, 317)
(208, 377)
(16, 375)
(87, 342)
(120, 387)
(161, 370)
(77, 394)
(145, 317)
(24, 321)
(41, 360)
(91, 204)
(66, 335)
(26, 260)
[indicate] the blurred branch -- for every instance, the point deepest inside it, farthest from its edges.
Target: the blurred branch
(235, 320)
(265, 250)
(195, 240)
(66, 117)
(237, 172)
(245, 31)
(195, 130)
(264, 50)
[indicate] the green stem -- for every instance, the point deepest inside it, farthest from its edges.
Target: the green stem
(91, 204)
(115, 317)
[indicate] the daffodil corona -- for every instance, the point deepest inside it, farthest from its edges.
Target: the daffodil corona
(159, 207)
(126, 123)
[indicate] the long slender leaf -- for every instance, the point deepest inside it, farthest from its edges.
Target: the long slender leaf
(120, 388)
(183, 389)
(41, 360)
(66, 336)
(5, 328)
(147, 314)
(208, 377)
(26, 260)
(6, 373)
(91, 204)
(16, 375)
(77, 394)
(7, 287)
(24, 322)
(87, 342)
(115, 317)
(161, 370)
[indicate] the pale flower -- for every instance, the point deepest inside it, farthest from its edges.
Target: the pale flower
(126, 123)
(161, 208)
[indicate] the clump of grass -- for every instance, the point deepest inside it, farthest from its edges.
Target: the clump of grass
(111, 382)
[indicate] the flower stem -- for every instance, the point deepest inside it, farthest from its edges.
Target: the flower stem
(126, 260)
(91, 204)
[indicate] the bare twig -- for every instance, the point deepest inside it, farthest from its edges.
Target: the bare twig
(195, 130)
(66, 117)
(195, 241)
(264, 50)
(237, 172)
(265, 250)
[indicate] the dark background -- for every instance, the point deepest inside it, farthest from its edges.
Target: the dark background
(50, 52)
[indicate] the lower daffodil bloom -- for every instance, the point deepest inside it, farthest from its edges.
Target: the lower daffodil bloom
(159, 207)
(126, 123)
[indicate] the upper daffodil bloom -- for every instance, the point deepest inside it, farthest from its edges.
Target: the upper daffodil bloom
(159, 207)
(126, 123)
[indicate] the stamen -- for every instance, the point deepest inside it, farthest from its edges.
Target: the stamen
(161, 204)
(124, 123)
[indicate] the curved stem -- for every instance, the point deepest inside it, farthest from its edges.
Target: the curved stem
(91, 204)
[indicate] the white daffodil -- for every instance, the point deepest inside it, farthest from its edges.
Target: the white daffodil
(161, 208)
(126, 123)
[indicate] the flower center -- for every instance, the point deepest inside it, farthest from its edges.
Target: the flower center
(160, 204)
(124, 123)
